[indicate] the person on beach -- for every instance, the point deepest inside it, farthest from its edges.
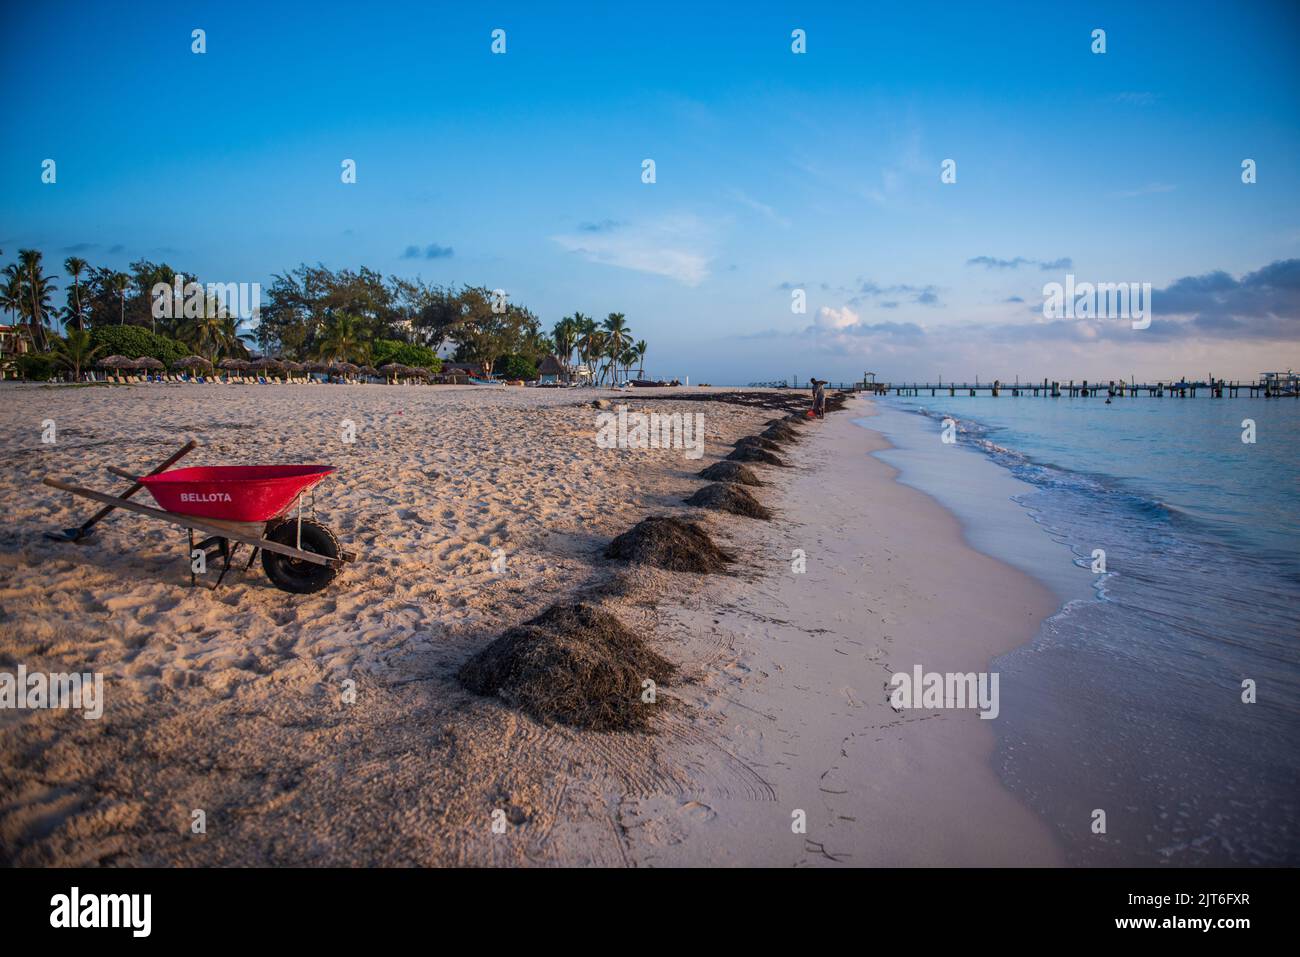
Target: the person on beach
(819, 397)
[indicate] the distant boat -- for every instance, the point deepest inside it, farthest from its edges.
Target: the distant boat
(1282, 384)
(652, 383)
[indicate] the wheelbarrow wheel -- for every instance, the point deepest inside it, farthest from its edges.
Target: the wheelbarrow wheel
(294, 574)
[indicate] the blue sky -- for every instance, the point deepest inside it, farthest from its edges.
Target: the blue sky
(774, 170)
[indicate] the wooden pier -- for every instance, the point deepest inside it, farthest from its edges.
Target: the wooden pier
(1269, 385)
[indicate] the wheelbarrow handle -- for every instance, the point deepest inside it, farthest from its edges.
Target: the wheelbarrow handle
(95, 519)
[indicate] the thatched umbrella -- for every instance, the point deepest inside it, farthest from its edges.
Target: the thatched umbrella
(232, 364)
(369, 371)
(421, 373)
(391, 370)
(116, 363)
(192, 362)
(267, 364)
(313, 366)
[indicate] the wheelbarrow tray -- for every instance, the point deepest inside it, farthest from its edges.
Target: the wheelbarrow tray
(249, 533)
(233, 493)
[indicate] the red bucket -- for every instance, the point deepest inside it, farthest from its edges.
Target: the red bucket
(235, 493)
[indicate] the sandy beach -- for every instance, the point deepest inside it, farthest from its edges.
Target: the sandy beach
(232, 701)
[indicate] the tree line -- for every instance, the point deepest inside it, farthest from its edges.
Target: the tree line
(314, 312)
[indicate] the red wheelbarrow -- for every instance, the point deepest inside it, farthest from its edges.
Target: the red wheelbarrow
(256, 505)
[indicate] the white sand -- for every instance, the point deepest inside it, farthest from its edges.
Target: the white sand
(797, 689)
(230, 701)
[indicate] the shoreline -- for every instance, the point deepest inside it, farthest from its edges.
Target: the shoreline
(801, 695)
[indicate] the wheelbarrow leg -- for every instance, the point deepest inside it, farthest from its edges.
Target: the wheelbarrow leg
(228, 552)
(212, 547)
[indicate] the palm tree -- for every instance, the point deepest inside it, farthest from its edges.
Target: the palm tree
(75, 267)
(617, 336)
(627, 359)
(37, 290)
(205, 334)
(640, 348)
(565, 335)
(595, 349)
(11, 291)
(231, 340)
(341, 339)
(532, 343)
(119, 282)
(589, 339)
(75, 351)
(619, 333)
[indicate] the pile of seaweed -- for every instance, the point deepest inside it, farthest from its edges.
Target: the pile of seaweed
(730, 472)
(750, 453)
(725, 497)
(780, 432)
(795, 401)
(672, 544)
(776, 401)
(757, 442)
(572, 664)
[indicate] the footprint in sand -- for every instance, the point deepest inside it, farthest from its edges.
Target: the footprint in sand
(697, 811)
(497, 534)
(412, 516)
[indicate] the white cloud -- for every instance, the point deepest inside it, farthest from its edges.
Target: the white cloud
(744, 198)
(828, 318)
(676, 247)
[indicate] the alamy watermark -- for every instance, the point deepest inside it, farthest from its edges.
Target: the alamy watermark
(651, 430)
(38, 691)
(130, 911)
(216, 300)
(933, 689)
(1102, 300)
